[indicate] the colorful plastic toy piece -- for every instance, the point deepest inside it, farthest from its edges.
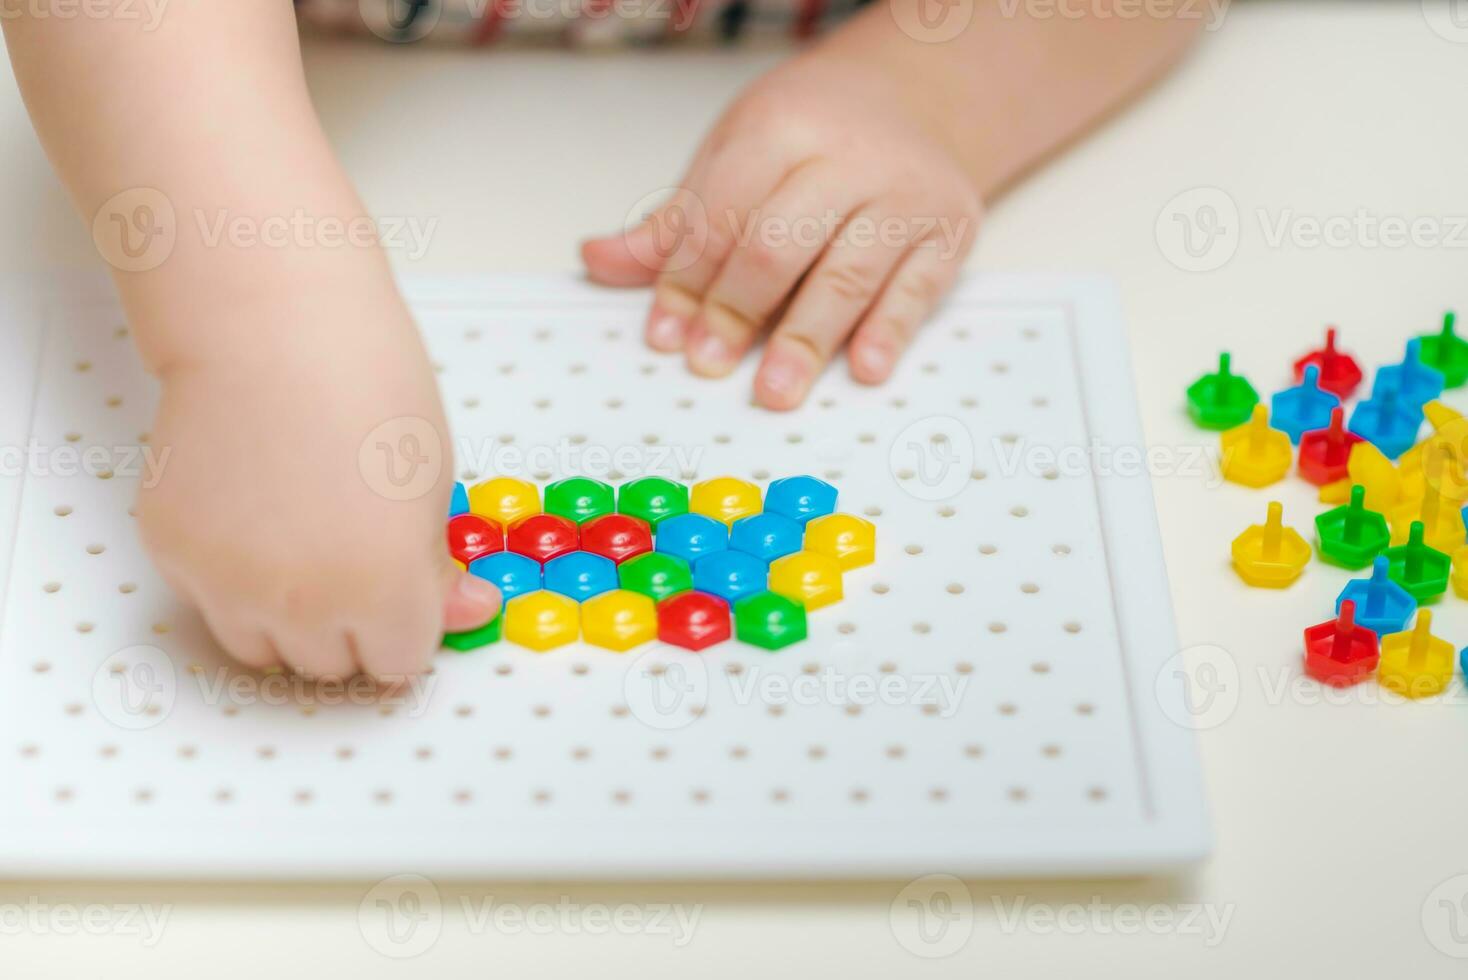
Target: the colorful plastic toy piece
(1414, 382)
(850, 540)
(656, 575)
(1445, 352)
(1382, 606)
(542, 620)
(1267, 555)
(1302, 408)
(730, 575)
(767, 536)
(1350, 535)
(800, 498)
(1417, 567)
(471, 536)
(579, 499)
(1338, 652)
(542, 537)
(1441, 520)
(1325, 453)
(724, 498)
(616, 536)
(474, 639)
(652, 499)
(513, 574)
(1253, 453)
(1368, 468)
(1339, 372)
(580, 575)
(1387, 421)
(1449, 430)
(504, 499)
(769, 620)
(693, 620)
(810, 579)
(1221, 400)
(1414, 663)
(691, 536)
(1460, 571)
(619, 620)
(459, 502)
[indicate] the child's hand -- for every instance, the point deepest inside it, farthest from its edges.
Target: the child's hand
(268, 519)
(821, 207)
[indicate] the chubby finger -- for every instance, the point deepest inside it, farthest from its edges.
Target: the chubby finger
(621, 259)
(917, 286)
(319, 652)
(248, 645)
(469, 601)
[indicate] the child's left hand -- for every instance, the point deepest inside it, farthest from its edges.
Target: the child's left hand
(823, 206)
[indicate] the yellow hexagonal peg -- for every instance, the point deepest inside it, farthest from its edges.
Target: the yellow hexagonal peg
(1448, 426)
(1414, 663)
(724, 498)
(1370, 469)
(541, 620)
(1442, 521)
(619, 620)
(844, 537)
(811, 579)
(504, 499)
(1270, 555)
(1254, 454)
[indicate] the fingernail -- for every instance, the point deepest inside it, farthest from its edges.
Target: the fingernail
(711, 351)
(875, 361)
(783, 378)
(664, 330)
(476, 590)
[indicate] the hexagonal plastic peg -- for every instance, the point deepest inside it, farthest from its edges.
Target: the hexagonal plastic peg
(579, 499)
(656, 575)
(541, 620)
(724, 498)
(1221, 400)
(616, 536)
(691, 536)
(1254, 454)
(1372, 471)
(1414, 382)
(1382, 606)
(1414, 663)
(1350, 535)
(1387, 421)
(1338, 652)
(1302, 408)
(513, 574)
(811, 579)
(619, 620)
(769, 620)
(1448, 428)
(652, 499)
(542, 537)
(580, 575)
(1325, 453)
(471, 536)
(459, 502)
(504, 499)
(693, 620)
(474, 639)
(1441, 520)
(729, 575)
(1446, 353)
(850, 540)
(767, 536)
(1267, 555)
(1339, 372)
(800, 498)
(1417, 567)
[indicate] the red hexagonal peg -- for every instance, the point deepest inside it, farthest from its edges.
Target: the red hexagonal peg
(542, 537)
(1339, 372)
(1324, 453)
(472, 536)
(616, 536)
(693, 620)
(1340, 653)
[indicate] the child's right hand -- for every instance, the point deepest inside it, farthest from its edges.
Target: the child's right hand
(266, 520)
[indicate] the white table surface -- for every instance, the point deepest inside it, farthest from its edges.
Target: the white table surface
(1334, 822)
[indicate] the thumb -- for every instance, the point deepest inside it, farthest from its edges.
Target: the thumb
(469, 601)
(624, 258)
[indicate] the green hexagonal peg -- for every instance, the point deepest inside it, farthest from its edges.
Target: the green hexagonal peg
(1418, 567)
(656, 574)
(474, 639)
(1446, 352)
(653, 499)
(1221, 400)
(769, 620)
(1350, 535)
(579, 499)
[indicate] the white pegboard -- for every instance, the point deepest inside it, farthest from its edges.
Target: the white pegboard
(990, 698)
